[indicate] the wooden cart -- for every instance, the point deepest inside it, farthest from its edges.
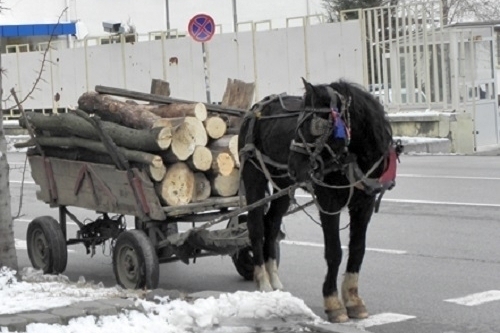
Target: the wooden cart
(138, 249)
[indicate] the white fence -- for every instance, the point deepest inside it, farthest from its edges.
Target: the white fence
(274, 59)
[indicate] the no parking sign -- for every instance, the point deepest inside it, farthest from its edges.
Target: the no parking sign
(201, 27)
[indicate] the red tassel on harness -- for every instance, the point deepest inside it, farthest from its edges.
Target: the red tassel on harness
(389, 174)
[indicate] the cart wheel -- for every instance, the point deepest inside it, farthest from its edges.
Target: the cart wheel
(243, 259)
(135, 262)
(46, 243)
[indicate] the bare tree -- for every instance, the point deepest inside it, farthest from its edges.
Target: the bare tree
(8, 256)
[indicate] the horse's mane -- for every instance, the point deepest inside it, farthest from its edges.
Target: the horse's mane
(371, 132)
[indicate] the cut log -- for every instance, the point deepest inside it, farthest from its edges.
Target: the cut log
(223, 163)
(215, 127)
(131, 155)
(202, 187)
(201, 159)
(189, 135)
(225, 186)
(227, 143)
(239, 95)
(114, 110)
(177, 188)
(160, 87)
(155, 173)
(69, 124)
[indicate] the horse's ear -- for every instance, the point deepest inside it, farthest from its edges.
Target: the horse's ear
(308, 87)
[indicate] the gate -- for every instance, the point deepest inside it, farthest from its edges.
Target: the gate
(413, 62)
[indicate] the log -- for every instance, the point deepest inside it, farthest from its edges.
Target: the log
(178, 110)
(69, 124)
(227, 143)
(223, 163)
(189, 135)
(177, 188)
(240, 95)
(215, 127)
(126, 114)
(131, 155)
(160, 87)
(85, 155)
(225, 186)
(200, 159)
(202, 187)
(165, 100)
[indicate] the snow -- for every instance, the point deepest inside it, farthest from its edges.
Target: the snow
(41, 292)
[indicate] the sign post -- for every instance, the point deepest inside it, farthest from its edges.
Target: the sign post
(201, 28)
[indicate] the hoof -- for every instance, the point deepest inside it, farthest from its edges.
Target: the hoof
(265, 287)
(357, 312)
(337, 316)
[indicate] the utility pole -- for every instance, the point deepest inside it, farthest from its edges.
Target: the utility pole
(167, 12)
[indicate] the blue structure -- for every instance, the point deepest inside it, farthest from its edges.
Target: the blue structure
(29, 30)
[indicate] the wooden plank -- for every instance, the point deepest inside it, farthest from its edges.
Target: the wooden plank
(211, 203)
(113, 193)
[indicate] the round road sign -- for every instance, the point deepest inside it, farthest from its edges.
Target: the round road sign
(201, 27)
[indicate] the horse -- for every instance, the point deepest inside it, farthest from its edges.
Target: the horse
(336, 142)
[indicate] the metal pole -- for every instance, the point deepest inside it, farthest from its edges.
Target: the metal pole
(235, 16)
(167, 10)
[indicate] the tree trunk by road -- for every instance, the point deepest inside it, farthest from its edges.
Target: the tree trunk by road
(8, 256)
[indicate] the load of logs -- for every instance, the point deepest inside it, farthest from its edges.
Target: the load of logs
(188, 149)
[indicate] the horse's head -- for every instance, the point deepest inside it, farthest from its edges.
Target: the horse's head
(322, 134)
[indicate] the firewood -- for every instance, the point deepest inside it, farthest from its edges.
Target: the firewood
(202, 187)
(200, 159)
(131, 155)
(215, 127)
(223, 163)
(69, 124)
(225, 186)
(227, 143)
(189, 135)
(178, 186)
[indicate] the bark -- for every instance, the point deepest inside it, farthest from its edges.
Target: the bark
(240, 95)
(69, 124)
(223, 163)
(228, 144)
(131, 155)
(179, 110)
(113, 110)
(160, 87)
(178, 186)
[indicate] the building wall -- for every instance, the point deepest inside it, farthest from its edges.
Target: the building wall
(275, 60)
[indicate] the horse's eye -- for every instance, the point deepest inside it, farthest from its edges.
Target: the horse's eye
(319, 126)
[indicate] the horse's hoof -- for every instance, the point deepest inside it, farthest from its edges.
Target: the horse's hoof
(265, 287)
(357, 312)
(337, 316)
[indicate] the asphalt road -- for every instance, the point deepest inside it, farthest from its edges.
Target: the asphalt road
(432, 263)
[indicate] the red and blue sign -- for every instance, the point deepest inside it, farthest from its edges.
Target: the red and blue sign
(201, 27)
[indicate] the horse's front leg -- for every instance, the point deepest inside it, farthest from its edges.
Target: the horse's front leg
(334, 309)
(256, 229)
(272, 224)
(360, 215)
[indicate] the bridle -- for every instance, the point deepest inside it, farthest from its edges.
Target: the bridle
(322, 128)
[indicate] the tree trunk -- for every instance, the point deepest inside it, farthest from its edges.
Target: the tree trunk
(178, 186)
(225, 186)
(215, 127)
(177, 110)
(223, 163)
(69, 124)
(8, 256)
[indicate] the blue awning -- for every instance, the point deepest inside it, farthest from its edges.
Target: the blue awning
(27, 30)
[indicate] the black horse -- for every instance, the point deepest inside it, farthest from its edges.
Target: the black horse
(337, 141)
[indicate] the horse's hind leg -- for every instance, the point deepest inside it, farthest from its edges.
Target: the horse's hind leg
(360, 217)
(272, 223)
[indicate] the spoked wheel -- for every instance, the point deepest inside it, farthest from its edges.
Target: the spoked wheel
(135, 262)
(46, 243)
(243, 259)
